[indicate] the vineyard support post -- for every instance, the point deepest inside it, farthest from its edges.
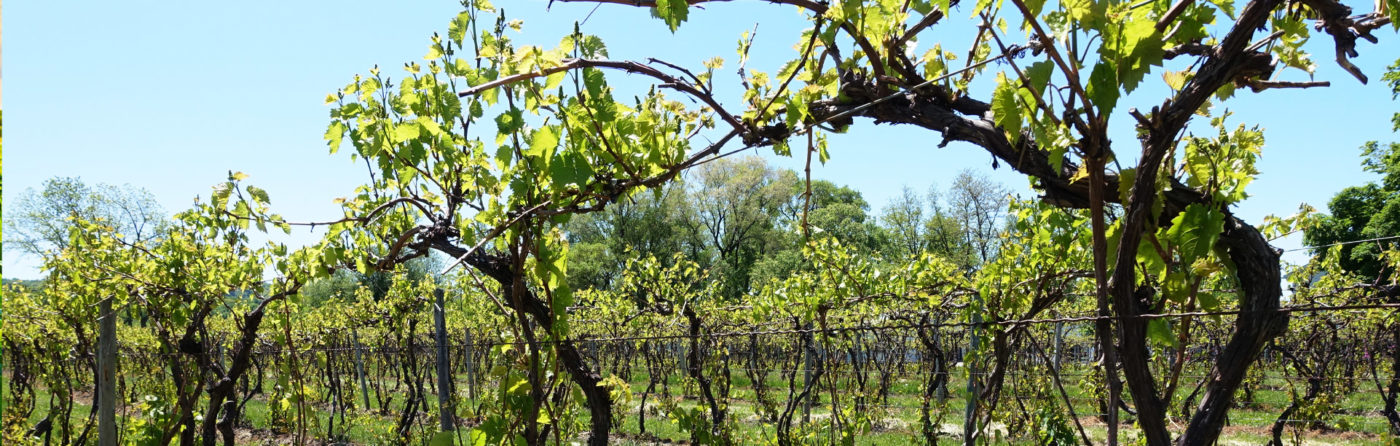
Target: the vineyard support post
(107, 376)
(808, 351)
(942, 367)
(753, 359)
(471, 367)
(444, 372)
(1059, 343)
(673, 348)
(360, 366)
(970, 419)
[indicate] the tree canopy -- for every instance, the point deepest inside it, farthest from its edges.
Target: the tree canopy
(1367, 212)
(42, 221)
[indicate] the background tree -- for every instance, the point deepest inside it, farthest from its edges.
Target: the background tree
(905, 221)
(964, 231)
(712, 222)
(734, 205)
(1368, 211)
(341, 286)
(42, 220)
(945, 236)
(835, 211)
(644, 224)
(1357, 213)
(978, 205)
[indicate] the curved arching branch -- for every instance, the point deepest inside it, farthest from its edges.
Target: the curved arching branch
(442, 235)
(668, 81)
(1233, 60)
(369, 217)
(804, 4)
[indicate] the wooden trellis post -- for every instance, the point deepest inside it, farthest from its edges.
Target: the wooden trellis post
(808, 351)
(471, 367)
(360, 366)
(107, 376)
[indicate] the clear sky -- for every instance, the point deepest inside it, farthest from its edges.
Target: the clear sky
(170, 96)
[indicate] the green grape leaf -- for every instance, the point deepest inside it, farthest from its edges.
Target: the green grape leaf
(476, 437)
(444, 438)
(1039, 75)
(1208, 301)
(570, 168)
(673, 12)
(259, 195)
(1393, 7)
(593, 81)
(457, 30)
(543, 143)
(405, 131)
(335, 133)
(1228, 7)
(221, 193)
(1005, 113)
(510, 121)
(1195, 230)
(554, 80)
(1103, 87)
(1160, 331)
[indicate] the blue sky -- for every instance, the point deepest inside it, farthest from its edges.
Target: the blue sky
(170, 96)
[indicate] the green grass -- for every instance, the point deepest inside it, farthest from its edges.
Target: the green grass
(898, 424)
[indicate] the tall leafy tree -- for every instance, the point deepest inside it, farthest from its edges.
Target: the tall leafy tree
(978, 205)
(831, 210)
(1366, 212)
(42, 221)
(905, 221)
(842, 213)
(733, 207)
(648, 223)
(964, 230)
(1354, 214)
(944, 235)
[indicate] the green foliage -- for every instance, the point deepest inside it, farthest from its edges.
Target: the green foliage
(673, 12)
(645, 224)
(1384, 161)
(1195, 232)
(146, 429)
(1222, 166)
(1052, 429)
(955, 229)
(1006, 111)
(1364, 212)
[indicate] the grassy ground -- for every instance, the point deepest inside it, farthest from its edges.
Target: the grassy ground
(893, 422)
